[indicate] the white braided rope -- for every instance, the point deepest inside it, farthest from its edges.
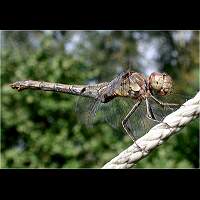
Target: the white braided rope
(157, 135)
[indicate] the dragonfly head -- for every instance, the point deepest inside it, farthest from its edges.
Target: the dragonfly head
(161, 83)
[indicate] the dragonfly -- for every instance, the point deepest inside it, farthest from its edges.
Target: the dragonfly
(133, 86)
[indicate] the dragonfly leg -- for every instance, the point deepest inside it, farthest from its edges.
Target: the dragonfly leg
(150, 114)
(155, 120)
(126, 127)
(164, 103)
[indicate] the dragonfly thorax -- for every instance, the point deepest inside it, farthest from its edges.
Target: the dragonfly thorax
(133, 85)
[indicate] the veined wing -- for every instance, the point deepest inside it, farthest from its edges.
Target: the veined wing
(114, 84)
(117, 109)
(113, 112)
(161, 112)
(86, 109)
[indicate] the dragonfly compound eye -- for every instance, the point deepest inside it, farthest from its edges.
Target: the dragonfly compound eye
(167, 85)
(156, 81)
(161, 83)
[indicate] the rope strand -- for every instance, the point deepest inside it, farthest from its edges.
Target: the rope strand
(157, 135)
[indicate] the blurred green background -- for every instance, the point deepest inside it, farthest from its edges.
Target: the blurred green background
(41, 129)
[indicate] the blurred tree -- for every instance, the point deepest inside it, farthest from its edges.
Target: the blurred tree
(41, 129)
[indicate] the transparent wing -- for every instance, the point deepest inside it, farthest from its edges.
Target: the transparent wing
(138, 123)
(117, 109)
(86, 109)
(161, 112)
(91, 110)
(115, 84)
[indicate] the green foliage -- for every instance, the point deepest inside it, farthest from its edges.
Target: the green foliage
(41, 129)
